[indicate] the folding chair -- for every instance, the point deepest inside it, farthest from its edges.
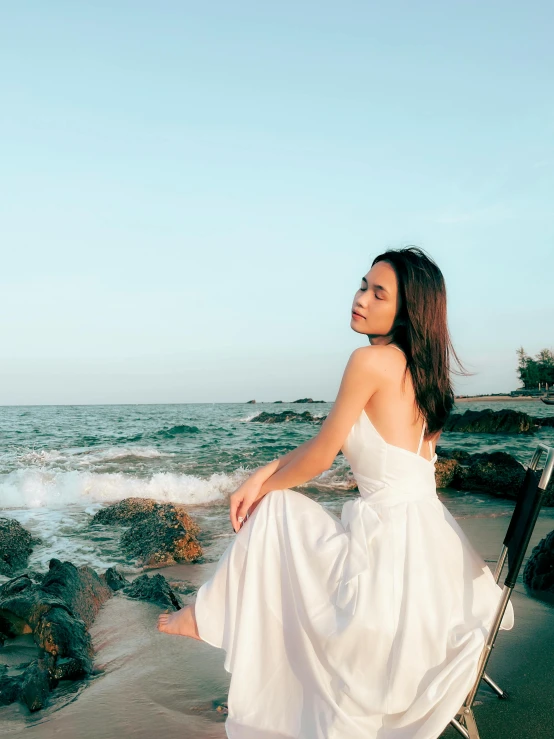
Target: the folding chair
(515, 545)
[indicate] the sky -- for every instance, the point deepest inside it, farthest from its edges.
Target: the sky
(190, 192)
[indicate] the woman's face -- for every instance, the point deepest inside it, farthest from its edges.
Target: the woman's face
(376, 302)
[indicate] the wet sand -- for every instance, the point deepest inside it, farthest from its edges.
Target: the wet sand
(151, 684)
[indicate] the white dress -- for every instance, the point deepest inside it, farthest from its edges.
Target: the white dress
(366, 626)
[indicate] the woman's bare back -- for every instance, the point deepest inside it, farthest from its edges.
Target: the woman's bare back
(392, 409)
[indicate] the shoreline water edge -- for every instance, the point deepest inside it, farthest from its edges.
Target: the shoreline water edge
(100, 487)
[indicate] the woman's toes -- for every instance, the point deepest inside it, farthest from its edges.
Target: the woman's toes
(180, 622)
(163, 621)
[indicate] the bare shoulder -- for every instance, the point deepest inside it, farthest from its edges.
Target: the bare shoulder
(380, 360)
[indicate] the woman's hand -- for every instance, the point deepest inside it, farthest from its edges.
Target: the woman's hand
(244, 500)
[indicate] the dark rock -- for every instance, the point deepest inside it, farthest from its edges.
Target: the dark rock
(445, 471)
(115, 579)
(491, 422)
(250, 401)
(174, 431)
(81, 589)
(160, 534)
(544, 421)
(22, 605)
(308, 400)
(284, 416)
(67, 668)
(16, 544)
(539, 570)
(278, 401)
(458, 454)
(155, 589)
(57, 611)
(63, 635)
(179, 586)
(22, 665)
(35, 685)
(9, 689)
(494, 473)
(34, 575)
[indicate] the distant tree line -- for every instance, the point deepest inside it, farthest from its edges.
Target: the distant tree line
(537, 369)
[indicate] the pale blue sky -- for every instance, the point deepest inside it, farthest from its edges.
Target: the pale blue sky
(190, 192)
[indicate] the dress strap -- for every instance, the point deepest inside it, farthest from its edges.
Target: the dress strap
(396, 347)
(421, 438)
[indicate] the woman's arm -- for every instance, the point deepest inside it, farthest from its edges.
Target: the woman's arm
(359, 382)
(263, 473)
(250, 488)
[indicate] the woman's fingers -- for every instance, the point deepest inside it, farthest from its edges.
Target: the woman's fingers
(233, 505)
(242, 511)
(239, 511)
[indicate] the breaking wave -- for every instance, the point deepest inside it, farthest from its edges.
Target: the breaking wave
(37, 487)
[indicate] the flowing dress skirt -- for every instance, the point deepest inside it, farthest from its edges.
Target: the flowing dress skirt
(319, 649)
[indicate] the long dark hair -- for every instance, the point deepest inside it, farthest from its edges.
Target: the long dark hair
(421, 331)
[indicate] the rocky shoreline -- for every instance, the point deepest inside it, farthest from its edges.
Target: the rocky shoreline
(300, 400)
(58, 609)
(506, 421)
(59, 606)
(16, 544)
(158, 534)
(495, 473)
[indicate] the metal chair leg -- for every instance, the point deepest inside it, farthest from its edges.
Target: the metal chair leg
(497, 689)
(459, 728)
(471, 724)
(466, 725)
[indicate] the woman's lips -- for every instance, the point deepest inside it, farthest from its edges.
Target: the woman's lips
(356, 315)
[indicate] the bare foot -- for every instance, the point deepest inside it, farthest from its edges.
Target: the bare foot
(180, 622)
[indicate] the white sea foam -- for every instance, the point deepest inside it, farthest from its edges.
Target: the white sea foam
(43, 457)
(339, 477)
(36, 487)
(64, 535)
(113, 454)
(249, 418)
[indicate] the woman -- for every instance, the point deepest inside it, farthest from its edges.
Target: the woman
(371, 625)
